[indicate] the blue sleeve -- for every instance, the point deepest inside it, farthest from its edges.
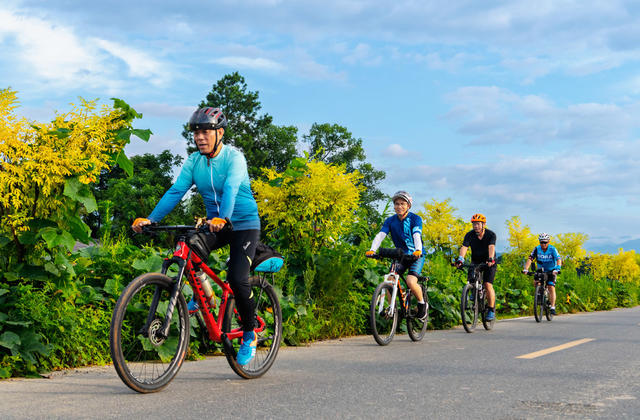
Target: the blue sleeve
(386, 226)
(175, 193)
(417, 226)
(237, 172)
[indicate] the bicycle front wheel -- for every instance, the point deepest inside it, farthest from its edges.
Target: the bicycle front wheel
(547, 306)
(469, 308)
(383, 320)
(269, 339)
(145, 360)
(538, 303)
(415, 326)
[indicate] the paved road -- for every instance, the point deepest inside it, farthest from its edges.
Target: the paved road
(451, 374)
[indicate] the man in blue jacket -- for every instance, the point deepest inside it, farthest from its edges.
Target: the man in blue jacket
(220, 173)
(547, 256)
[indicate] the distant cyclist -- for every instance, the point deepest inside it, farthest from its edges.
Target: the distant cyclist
(483, 250)
(547, 256)
(220, 173)
(406, 233)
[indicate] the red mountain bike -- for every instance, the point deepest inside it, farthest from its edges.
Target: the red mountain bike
(150, 327)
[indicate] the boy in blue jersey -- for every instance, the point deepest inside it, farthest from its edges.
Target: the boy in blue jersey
(547, 256)
(406, 233)
(220, 174)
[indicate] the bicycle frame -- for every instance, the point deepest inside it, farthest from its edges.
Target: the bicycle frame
(189, 263)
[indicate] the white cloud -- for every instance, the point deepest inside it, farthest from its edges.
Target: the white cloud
(492, 115)
(154, 109)
(140, 64)
(54, 53)
(254, 63)
(395, 150)
(362, 54)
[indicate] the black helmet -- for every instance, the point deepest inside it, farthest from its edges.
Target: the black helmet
(207, 119)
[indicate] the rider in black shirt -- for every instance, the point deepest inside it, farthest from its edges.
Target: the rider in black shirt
(483, 249)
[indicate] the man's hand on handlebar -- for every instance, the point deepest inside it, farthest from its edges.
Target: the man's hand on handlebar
(139, 223)
(216, 224)
(370, 253)
(417, 254)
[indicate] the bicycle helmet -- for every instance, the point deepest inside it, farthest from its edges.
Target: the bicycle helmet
(544, 237)
(207, 119)
(478, 217)
(404, 195)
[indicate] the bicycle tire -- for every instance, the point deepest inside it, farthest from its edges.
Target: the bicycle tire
(547, 308)
(488, 325)
(144, 361)
(468, 307)
(538, 303)
(383, 324)
(416, 327)
(267, 308)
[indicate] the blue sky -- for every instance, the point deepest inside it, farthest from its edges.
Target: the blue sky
(506, 107)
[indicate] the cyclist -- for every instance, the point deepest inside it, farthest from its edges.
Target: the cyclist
(483, 249)
(406, 233)
(219, 172)
(547, 256)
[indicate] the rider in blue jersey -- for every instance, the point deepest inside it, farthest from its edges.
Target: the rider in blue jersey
(220, 173)
(548, 258)
(406, 233)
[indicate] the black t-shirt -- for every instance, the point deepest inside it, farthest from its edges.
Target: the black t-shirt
(479, 247)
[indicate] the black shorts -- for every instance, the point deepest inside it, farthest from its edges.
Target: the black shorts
(488, 274)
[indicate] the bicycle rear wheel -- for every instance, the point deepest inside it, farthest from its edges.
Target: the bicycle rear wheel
(488, 325)
(469, 308)
(145, 360)
(383, 320)
(547, 307)
(538, 303)
(269, 339)
(415, 326)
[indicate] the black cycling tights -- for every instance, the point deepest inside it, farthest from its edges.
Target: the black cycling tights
(242, 249)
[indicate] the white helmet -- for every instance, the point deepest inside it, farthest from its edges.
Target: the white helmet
(404, 195)
(544, 237)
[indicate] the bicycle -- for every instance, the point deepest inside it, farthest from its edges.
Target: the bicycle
(473, 300)
(541, 296)
(149, 340)
(391, 301)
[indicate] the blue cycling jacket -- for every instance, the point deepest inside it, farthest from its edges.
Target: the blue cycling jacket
(223, 182)
(402, 230)
(546, 259)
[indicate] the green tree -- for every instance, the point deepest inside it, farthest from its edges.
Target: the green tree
(264, 144)
(334, 144)
(122, 198)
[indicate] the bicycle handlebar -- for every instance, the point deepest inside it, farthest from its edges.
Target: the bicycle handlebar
(154, 227)
(396, 254)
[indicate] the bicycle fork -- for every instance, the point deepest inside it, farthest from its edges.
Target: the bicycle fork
(163, 332)
(393, 279)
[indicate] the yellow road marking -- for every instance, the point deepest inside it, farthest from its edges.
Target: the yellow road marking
(554, 349)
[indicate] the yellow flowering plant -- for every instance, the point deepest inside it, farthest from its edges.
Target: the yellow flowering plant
(45, 172)
(311, 203)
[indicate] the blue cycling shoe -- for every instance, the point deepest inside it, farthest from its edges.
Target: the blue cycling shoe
(192, 306)
(247, 350)
(491, 315)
